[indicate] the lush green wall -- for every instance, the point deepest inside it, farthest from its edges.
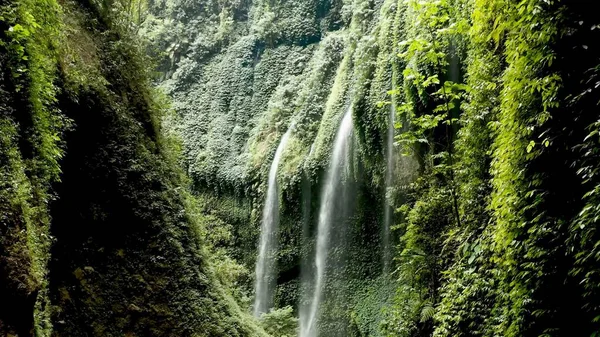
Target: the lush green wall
(497, 99)
(99, 235)
(240, 74)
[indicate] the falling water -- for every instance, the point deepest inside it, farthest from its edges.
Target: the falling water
(333, 179)
(387, 213)
(268, 237)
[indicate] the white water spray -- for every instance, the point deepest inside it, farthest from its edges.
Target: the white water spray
(339, 160)
(265, 265)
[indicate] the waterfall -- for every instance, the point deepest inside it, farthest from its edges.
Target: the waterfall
(387, 213)
(263, 288)
(339, 162)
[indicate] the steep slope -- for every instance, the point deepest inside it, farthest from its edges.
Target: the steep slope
(88, 172)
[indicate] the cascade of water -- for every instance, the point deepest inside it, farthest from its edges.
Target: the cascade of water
(387, 213)
(265, 264)
(306, 273)
(339, 161)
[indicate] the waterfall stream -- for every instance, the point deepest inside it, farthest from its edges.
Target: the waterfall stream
(265, 265)
(387, 213)
(334, 178)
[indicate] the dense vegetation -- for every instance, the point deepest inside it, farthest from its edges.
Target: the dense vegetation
(136, 137)
(500, 215)
(99, 235)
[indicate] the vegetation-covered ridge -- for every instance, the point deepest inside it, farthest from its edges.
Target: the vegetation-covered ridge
(99, 235)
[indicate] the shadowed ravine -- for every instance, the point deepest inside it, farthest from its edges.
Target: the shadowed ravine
(311, 168)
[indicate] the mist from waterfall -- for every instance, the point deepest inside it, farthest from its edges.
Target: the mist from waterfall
(265, 265)
(339, 164)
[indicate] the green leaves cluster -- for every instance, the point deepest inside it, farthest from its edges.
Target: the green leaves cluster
(280, 322)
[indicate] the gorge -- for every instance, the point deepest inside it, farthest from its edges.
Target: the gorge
(312, 168)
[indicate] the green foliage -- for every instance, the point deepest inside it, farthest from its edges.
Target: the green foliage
(31, 148)
(372, 299)
(124, 13)
(429, 101)
(509, 250)
(280, 322)
(469, 278)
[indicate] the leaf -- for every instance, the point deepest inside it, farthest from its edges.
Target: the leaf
(427, 312)
(530, 146)
(431, 80)
(472, 258)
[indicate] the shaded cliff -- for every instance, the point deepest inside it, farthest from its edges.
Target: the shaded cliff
(99, 234)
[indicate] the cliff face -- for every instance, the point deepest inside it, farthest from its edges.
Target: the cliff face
(493, 100)
(98, 234)
(240, 74)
